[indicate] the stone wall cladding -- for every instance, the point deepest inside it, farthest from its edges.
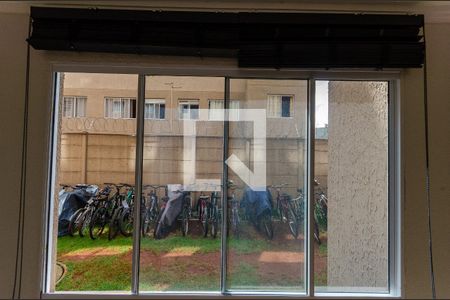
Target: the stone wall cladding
(358, 184)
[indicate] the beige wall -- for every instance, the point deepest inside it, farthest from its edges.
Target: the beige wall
(12, 91)
(101, 158)
(13, 31)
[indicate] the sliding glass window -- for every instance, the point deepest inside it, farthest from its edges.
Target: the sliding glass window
(182, 179)
(228, 186)
(93, 185)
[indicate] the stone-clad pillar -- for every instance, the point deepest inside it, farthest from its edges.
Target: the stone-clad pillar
(358, 184)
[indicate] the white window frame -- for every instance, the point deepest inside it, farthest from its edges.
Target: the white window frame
(125, 104)
(395, 179)
(74, 113)
(188, 102)
(155, 103)
(271, 115)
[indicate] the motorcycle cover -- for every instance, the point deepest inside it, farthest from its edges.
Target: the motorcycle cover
(172, 210)
(69, 203)
(255, 203)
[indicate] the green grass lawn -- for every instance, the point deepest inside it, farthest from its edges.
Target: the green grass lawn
(175, 263)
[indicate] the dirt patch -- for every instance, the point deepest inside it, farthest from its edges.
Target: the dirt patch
(193, 263)
(90, 253)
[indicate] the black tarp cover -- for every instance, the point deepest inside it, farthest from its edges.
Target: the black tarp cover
(69, 203)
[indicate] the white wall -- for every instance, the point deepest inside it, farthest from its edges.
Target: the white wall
(13, 31)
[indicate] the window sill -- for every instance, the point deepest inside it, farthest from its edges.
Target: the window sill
(208, 295)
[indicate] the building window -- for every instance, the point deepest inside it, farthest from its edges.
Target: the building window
(279, 106)
(188, 109)
(155, 109)
(74, 106)
(120, 108)
(215, 107)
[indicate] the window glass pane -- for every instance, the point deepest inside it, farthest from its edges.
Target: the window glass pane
(162, 111)
(194, 111)
(117, 109)
(93, 188)
(68, 107)
(147, 110)
(266, 241)
(126, 108)
(81, 107)
(273, 106)
(152, 111)
(184, 111)
(216, 109)
(133, 108)
(285, 106)
(351, 193)
(183, 153)
(234, 110)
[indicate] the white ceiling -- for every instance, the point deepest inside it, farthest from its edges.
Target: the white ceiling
(434, 11)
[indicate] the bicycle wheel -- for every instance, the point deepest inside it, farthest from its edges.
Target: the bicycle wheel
(204, 219)
(114, 224)
(98, 223)
(280, 210)
(235, 223)
(146, 223)
(316, 233)
(185, 221)
(85, 221)
(214, 222)
(126, 222)
(266, 222)
(157, 233)
(74, 222)
(292, 221)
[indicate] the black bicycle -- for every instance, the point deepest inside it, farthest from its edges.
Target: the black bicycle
(89, 211)
(151, 209)
(234, 220)
(286, 209)
(203, 209)
(214, 215)
(186, 213)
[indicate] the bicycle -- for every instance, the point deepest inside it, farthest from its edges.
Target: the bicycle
(203, 212)
(104, 214)
(208, 212)
(234, 215)
(320, 210)
(114, 226)
(286, 209)
(89, 210)
(75, 221)
(126, 218)
(214, 214)
(151, 209)
(186, 213)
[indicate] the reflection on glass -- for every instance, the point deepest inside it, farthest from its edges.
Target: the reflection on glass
(266, 172)
(182, 176)
(93, 183)
(351, 191)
